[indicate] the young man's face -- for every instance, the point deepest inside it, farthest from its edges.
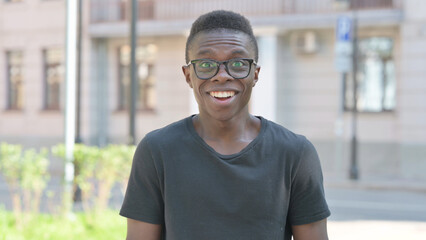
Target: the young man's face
(222, 97)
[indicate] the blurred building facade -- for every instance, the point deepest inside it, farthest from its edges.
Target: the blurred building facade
(299, 86)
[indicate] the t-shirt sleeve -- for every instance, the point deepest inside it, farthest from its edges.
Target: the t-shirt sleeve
(143, 200)
(307, 198)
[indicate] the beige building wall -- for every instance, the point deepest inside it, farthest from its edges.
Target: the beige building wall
(308, 86)
(412, 90)
(171, 89)
(308, 103)
(30, 26)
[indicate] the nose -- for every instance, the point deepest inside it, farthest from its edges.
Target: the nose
(222, 75)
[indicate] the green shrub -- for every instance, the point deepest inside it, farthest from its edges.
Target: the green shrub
(85, 158)
(104, 225)
(102, 166)
(113, 166)
(26, 173)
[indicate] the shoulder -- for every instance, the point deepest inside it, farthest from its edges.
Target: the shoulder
(280, 135)
(294, 150)
(170, 134)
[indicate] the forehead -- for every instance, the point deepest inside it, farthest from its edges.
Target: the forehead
(220, 44)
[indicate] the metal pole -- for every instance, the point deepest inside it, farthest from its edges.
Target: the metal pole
(102, 91)
(77, 189)
(353, 172)
(339, 125)
(70, 101)
(78, 69)
(133, 75)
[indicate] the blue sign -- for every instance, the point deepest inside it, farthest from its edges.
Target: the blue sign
(344, 28)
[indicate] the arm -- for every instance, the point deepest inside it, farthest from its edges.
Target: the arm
(308, 209)
(312, 231)
(143, 199)
(137, 230)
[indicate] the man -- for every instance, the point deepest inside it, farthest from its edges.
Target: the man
(223, 173)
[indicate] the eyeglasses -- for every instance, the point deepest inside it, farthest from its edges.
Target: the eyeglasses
(237, 68)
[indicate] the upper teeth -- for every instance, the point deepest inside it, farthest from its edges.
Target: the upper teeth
(223, 94)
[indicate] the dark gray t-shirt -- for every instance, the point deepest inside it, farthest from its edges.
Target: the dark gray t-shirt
(179, 181)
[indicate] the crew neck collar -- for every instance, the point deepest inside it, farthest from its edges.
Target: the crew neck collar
(197, 138)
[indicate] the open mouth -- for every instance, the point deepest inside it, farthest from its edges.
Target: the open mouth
(222, 95)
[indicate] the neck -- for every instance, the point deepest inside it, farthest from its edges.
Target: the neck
(244, 127)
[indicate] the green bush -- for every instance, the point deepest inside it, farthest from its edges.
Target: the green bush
(34, 177)
(101, 167)
(26, 173)
(102, 225)
(85, 158)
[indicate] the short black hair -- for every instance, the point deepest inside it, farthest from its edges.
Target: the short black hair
(221, 19)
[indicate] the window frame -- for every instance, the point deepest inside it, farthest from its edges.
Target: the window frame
(348, 88)
(46, 106)
(10, 106)
(142, 100)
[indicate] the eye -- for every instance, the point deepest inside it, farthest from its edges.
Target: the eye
(207, 64)
(237, 63)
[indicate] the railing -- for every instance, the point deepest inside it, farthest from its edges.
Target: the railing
(118, 10)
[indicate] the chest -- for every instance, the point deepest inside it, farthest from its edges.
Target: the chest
(246, 186)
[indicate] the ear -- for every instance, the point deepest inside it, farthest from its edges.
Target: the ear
(256, 75)
(187, 73)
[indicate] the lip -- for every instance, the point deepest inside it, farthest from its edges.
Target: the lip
(224, 101)
(222, 90)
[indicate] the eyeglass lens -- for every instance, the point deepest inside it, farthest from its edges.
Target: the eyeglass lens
(237, 68)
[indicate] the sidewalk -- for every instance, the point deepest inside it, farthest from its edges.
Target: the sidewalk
(376, 183)
(376, 230)
(376, 208)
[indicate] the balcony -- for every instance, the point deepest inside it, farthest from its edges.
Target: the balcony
(103, 11)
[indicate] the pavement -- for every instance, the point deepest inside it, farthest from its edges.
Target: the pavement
(376, 230)
(376, 183)
(376, 208)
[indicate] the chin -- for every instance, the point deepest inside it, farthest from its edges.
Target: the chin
(223, 116)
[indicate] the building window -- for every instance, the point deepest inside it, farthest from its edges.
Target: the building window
(146, 95)
(53, 77)
(376, 77)
(14, 94)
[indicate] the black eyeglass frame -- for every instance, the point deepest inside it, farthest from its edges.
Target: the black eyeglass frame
(225, 63)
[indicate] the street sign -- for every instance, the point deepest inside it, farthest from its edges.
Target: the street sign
(343, 48)
(343, 30)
